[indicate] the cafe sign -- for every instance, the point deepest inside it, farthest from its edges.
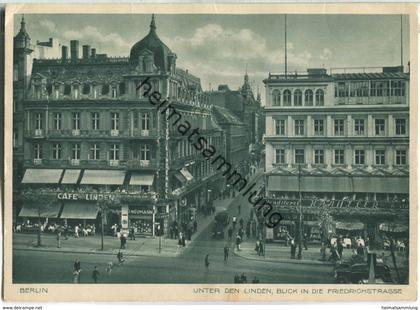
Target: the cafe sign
(85, 196)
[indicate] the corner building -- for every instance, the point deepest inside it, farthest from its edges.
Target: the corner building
(91, 138)
(341, 139)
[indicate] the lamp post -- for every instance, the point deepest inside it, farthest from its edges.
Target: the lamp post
(299, 256)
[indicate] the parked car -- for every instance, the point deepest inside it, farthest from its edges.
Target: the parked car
(346, 272)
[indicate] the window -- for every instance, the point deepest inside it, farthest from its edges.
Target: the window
(339, 127)
(280, 156)
(76, 121)
(49, 89)
(94, 152)
(397, 88)
(319, 156)
(299, 156)
(114, 93)
(67, 89)
(339, 157)
(401, 157)
(378, 89)
(144, 152)
(38, 121)
(145, 121)
(280, 127)
(105, 89)
(319, 97)
(359, 127)
(114, 152)
(309, 97)
(115, 120)
(56, 151)
(136, 120)
(86, 89)
(299, 127)
(400, 126)
(57, 121)
(380, 157)
(76, 91)
(121, 87)
(287, 98)
(95, 120)
(37, 151)
(297, 97)
(379, 127)
(359, 89)
(341, 90)
(276, 98)
(319, 127)
(359, 157)
(75, 154)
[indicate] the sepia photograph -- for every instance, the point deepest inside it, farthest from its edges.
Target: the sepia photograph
(244, 149)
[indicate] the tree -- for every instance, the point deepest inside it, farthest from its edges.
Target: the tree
(43, 201)
(106, 206)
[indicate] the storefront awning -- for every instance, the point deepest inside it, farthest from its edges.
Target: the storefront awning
(42, 176)
(103, 177)
(80, 210)
(142, 179)
(186, 174)
(338, 184)
(71, 176)
(349, 225)
(35, 210)
(393, 227)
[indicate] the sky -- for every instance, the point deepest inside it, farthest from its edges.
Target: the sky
(219, 48)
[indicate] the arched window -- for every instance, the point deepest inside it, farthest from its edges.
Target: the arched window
(105, 89)
(297, 97)
(319, 97)
(86, 89)
(276, 98)
(287, 98)
(309, 97)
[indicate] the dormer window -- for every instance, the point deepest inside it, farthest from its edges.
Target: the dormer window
(67, 89)
(86, 89)
(105, 89)
(148, 63)
(37, 92)
(49, 89)
(114, 93)
(122, 88)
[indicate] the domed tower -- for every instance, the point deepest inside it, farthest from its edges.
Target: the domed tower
(21, 53)
(150, 54)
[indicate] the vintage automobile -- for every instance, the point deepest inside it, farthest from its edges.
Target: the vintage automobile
(347, 272)
(221, 220)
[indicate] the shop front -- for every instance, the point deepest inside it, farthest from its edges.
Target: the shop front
(142, 219)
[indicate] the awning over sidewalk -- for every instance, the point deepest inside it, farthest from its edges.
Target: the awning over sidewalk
(42, 176)
(187, 175)
(103, 177)
(80, 210)
(349, 225)
(35, 210)
(142, 179)
(394, 227)
(71, 176)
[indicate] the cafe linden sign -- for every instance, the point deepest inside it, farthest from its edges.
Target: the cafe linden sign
(85, 196)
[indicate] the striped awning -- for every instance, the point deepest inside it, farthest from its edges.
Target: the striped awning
(394, 227)
(42, 176)
(37, 210)
(349, 225)
(80, 210)
(103, 177)
(70, 176)
(141, 179)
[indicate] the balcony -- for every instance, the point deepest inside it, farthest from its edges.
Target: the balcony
(114, 163)
(138, 164)
(37, 161)
(115, 132)
(151, 133)
(75, 132)
(75, 162)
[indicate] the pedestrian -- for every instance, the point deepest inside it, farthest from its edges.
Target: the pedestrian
(360, 251)
(76, 265)
(76, 276)
(95, 275)
(261, 249)
(234, 222)
(257, 247)
(66, 232)
(292, 248)
(238, 242)
(195, 226)
(305, 240)
(340, 247)
(236, 279)
(120, 257)
(183, 240)
(180, 240)
(323, 251)
(207, 262)
(132, 236)
(255, 280)
(241, 222)
(76, 231)
(226, 252)
(241, 233)
(243, 278)
(93, 230)
(122, 242)
(109, 268)
(230, 233)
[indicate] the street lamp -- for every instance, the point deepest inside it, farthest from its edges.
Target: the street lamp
(300, 215)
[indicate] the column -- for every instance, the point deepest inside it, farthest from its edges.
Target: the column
(370, 156)
(328, 156)
(349, 128)
(370, 126)
(391, 126)
(348, 156)
(329, 126)
(289, 156)
(309, 154)
(309, 126)
(290, 132)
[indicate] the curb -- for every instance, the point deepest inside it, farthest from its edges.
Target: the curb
(49, 250)
(288, 261)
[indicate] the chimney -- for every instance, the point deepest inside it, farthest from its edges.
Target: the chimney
(86, 52)
(64, 52)
(93, 53)
(74, 50)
